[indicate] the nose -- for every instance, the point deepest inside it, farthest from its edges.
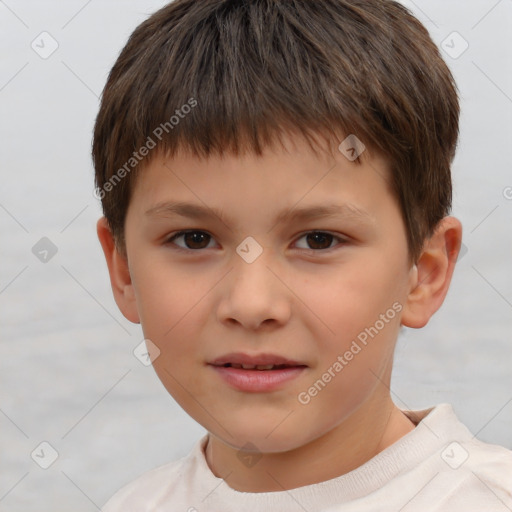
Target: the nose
(254, 295)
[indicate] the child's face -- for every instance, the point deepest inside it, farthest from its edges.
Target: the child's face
(304, 299)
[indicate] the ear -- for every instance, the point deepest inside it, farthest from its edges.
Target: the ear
(119, 271)
(432, 274)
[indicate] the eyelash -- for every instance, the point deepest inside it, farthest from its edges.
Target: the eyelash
(170, 240)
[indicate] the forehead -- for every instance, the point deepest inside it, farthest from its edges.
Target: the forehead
(293, 182)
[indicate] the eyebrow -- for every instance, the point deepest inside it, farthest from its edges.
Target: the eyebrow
(199, 212)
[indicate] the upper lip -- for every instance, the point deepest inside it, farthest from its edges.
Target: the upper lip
(256, 360)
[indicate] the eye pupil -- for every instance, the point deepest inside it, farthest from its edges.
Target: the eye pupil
(195, 237)
(319, 238)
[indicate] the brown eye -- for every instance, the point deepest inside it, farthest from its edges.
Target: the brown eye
(319, 240)
(193, 240)
(197, 240)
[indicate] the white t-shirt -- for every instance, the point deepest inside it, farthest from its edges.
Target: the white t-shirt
(437, 467)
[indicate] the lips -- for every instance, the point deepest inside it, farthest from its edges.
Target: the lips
(257, 373)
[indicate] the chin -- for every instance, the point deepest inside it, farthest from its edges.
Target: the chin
(264, 436)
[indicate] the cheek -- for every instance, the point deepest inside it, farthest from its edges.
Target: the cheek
(166, 297)
(341, 301)
(356, 317)
(174, 307)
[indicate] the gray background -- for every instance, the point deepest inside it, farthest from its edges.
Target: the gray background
(68, 374)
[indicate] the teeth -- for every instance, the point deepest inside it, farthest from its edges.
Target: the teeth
(253, 366)
(264, 367)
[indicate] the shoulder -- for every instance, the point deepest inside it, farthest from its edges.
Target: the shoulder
(138, 494)
(165, 484)
(463, 452)
(471, 476)
(467, 473)
(489, 464)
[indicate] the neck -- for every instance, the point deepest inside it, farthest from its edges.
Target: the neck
(373, 427)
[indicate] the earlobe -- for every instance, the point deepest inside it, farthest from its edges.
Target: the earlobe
(120, 278)
(432, 274)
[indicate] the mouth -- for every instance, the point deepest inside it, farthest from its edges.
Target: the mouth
(257, 367)
(255, 361)
(258, 373)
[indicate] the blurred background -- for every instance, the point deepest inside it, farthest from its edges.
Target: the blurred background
(69, 376)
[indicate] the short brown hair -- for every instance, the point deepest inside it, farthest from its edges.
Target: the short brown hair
(254, 67)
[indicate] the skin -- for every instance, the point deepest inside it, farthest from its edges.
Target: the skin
(303, 299)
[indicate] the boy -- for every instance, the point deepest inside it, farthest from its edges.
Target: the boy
(234, 140)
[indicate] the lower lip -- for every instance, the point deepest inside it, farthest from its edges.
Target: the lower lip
(258, 380)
